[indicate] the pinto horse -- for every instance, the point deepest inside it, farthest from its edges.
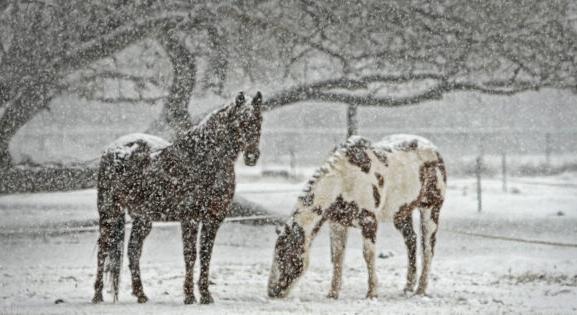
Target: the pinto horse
(191, 180)
(360, 185)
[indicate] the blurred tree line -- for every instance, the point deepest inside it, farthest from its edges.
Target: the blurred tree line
(358, 52)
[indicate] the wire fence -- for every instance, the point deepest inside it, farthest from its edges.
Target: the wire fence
(524, 151)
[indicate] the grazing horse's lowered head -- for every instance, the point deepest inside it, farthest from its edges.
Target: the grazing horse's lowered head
(289, 262)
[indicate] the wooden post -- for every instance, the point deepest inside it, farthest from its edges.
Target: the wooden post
(548, 149)
(352, 120)
(504, 170)
(293, 163)
(478, 170)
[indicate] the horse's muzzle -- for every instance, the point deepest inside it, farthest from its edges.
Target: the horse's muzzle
(250, 158)
(276, 293)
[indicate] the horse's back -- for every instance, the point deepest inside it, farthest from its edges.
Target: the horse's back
(123, 162)
(126, 144)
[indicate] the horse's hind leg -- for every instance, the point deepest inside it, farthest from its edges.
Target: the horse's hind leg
(338, 245)
(108, 213)
(189, 233)
(140, 230)
(103, 245)
(429, 228)
(369, 231)
(404, 223)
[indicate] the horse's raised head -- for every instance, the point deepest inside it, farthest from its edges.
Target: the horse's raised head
(249, 126)
(289, 260)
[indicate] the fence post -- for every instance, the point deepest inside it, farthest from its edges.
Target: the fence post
(352, 120)
(293, 162)
(504, 170)
(478, 169)
(479, 188)
(548, 149)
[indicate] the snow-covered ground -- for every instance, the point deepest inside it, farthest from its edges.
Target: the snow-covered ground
(470, 274)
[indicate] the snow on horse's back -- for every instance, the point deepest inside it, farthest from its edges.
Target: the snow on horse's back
(154, 142)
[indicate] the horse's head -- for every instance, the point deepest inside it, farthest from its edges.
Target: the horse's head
(289, 260)
(249, 119)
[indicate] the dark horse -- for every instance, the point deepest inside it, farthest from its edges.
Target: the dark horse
(191, 180)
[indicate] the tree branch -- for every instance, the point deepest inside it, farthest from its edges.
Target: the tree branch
(113, 75)
(115, 41)
(320, 91)
(130, 100)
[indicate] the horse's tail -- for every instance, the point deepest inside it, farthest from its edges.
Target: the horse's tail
(112, 225)
(116, 253)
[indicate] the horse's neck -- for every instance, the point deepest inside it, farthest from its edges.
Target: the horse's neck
(209, 144)
(320, 193)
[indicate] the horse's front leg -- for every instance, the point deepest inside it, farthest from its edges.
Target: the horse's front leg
(338, 246)
(189, 232)
(207, 237)
(369, 231)
(140, 230)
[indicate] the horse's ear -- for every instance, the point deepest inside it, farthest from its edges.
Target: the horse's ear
(239, 101)
(278, 229)
(257, 100)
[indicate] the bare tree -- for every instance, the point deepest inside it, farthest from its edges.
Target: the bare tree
(396, 53)
(43, 42)
(362, 53)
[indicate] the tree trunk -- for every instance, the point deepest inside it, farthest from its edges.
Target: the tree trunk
(183, 82)
(215, 76)
(21, 110)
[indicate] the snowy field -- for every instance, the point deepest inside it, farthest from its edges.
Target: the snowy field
(47, 268)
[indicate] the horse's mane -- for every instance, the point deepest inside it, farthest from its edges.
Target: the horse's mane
(211, 116)
(339, 153)
(202, 127)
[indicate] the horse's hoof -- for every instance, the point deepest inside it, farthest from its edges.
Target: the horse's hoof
(333, 295)
(189, 300)
(142, 299)
(420, 292)
(408, 290)
(97, 298)
(206, 299)
(372, 295)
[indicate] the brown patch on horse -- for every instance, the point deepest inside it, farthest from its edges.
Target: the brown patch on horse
(380, 179)
(376, 196)
(357, 156)
(308, 199)
(408, 145)
(342, 212)
(405, 210)
(442, 168)
(382, 157)
(317, 210)
(346, 213)
(368, 223)
(318, 226)
(430, 195)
